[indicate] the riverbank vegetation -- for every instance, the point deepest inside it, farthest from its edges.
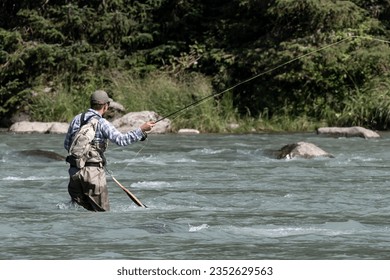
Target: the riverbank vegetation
(277, 65)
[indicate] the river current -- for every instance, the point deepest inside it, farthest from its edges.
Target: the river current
(209, 196)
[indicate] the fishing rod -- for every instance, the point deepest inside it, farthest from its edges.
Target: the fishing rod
(268, 71)
(139, 203)
(189, 106)
(129, 194)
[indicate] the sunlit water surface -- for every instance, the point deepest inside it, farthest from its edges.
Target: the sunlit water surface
(208, 197)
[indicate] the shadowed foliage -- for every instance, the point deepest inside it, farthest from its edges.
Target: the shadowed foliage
(54, 53)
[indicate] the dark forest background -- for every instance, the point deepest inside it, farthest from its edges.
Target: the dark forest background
(324, 61)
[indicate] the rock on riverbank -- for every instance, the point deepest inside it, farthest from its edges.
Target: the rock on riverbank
(354, 131)
(125, 123)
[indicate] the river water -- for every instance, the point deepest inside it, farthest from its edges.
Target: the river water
(208, 196)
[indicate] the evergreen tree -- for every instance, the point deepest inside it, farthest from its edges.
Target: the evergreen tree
(74, 43)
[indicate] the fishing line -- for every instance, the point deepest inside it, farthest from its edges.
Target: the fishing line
(129, 193)
(143, 147)
(197, 102)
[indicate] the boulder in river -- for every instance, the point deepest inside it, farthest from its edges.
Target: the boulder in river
(302, 150)
(42, 154)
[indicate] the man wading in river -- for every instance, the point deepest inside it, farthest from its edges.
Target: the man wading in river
(87, 184)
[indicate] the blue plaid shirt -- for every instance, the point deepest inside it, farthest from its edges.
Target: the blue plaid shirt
(106, 131)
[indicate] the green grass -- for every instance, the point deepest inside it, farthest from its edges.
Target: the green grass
(164, 95)
(156, 92)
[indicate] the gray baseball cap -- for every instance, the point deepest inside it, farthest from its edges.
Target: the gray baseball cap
(100, 97)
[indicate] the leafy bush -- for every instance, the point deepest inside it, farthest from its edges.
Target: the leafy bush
(310, 60)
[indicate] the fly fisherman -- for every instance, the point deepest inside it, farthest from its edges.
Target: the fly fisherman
(87, 184)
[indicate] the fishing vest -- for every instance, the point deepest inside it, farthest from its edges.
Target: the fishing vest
(86, 149)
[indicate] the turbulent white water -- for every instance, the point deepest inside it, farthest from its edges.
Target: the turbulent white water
(208, 197)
